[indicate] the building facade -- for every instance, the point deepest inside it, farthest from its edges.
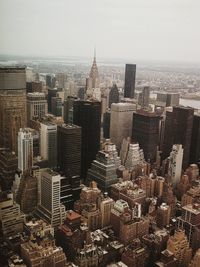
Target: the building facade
(145, 131)
(68, 109)
(36, 105)
(178, 245)
(48, 143)
(87, 115)
(103, 168)
(144, 97)
(175, 164)
(25, 149)
(12, 105)
(92, 81)
(11, 217)
(56, 106)
(8, 167)
(178, 130)
(195, 140)
(50, 207)
(113, 95)
(121, 122)
(69, 162)
(69, 149)
(130, 74)
(190, 222)
(163, 215)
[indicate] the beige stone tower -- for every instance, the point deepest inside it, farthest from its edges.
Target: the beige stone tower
(178, 244)
(12, 105)
(196, 260)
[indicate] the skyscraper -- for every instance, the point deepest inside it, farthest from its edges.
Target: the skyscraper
(68, 109)
(61, 79)
(93, 80)
(36, 105)
(175, 164)
(49, 81)
(195, 140)
(106, 205)
(134, 156)
(163, 215)
(121, 122)
(146, 133)
(94, 73)
(178, 130)
(81, 93)
(87, 114)
(69, 149)
(167, 133)
(144, 101)
(25, 149)
(172, 99)
(11, 218)
(113, 95)
(8, 167)
(12, 105)
(130, 73)
(33, 87)
(196, 260)
(50, 207)
(27, 192)
(52, 92)
(56, 106)
(103, 168)
(168, 99)
(178, 244)
(48, 143)
(190, 222)
(106, 124)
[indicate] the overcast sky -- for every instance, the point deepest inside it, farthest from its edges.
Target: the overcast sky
(165, 30)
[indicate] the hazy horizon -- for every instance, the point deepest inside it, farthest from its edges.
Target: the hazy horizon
(136, 30)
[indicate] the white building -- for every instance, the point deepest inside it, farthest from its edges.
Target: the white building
(48, 143)
(135, 156)
(175, 164)
(110, 148)
(30, 75)
(105, 207)
(25, 149)
(121, 122)
(50, 207)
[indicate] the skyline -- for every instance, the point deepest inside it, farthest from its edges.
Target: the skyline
(99, 165)
(52, 29)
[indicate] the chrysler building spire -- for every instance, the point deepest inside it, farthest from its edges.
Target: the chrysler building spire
(94, 54)
(92, 82)
(94, 74)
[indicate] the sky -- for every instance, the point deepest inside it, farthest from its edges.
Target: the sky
(163, 30)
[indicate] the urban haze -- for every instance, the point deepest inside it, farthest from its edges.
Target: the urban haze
(99, 133)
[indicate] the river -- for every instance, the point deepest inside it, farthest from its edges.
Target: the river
(190, 103)
(184, 102)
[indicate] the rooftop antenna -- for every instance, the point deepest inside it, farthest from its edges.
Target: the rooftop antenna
(95, 53)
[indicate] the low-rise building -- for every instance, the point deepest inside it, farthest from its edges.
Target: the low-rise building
(11, 217)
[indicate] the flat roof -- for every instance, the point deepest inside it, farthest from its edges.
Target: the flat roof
(190, 208)
(69, 126)
(72, 215)
(12, 68)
